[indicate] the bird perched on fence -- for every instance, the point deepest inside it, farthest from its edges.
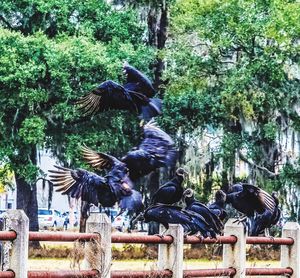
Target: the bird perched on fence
(261, 222)
(248, 199)
(156, 150)
(218, 206)
(191, 222)
(193, 205)
(171, 192)
(135, 96)
(256, 205)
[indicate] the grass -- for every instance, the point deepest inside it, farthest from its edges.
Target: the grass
(67, 264)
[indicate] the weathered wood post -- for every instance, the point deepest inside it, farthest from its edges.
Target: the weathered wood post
(290, 254)
(17, 221)
(98, 253)
(234, 255)
(170, 256)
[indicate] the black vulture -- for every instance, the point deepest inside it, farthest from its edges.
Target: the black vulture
(171, 192)
(115, 187)
(248, 199)
(191, 222)
(192, 204)
(218, 206)
(261, 222)
(133, 96)
(156, 150)
(137, 81)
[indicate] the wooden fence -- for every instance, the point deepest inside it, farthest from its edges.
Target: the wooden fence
(98, 240)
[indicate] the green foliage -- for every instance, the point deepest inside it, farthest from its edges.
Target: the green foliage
(60, 51)
(6, 178)
(32, 130)
(74, 17)
(232, 60)
(270, 131)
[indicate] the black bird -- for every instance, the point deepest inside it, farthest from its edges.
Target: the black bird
(218, 206)
(249, 199)
(137, 81)
(156, 150)
(116, 186)
(261, 222)
(191, 222)
(171, 192)
(133, 96)
(193, 205)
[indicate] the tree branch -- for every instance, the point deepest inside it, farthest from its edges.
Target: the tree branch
(264, 169)
(6, 22)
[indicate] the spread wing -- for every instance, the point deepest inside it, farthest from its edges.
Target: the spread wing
(99, 160)
(79, 184)
(262, 198)
(137, 81)
(155, 151)
(111, 95)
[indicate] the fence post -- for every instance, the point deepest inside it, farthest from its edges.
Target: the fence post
(170, 256)
(234, 255)
(98, 253)
(290, 254)
(17, 221)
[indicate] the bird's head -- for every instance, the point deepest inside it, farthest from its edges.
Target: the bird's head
(188, 195)
(181, 172)
(220, 196)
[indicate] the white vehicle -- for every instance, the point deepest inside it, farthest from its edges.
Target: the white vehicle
(121, 223)
(50, 218)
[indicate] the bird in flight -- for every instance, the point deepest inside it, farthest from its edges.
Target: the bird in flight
(136, 95)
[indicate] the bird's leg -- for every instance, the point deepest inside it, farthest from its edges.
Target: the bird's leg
(162, 234)
(201, 237)
(136, 219)
(267, 233)
(185, 234)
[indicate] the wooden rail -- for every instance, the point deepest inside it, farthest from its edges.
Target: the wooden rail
(98, 240)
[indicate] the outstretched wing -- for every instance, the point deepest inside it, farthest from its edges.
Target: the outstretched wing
(78, 184)
(99, 160)
(137, 81)
(155, 151)
(111, 95)
(262, 198)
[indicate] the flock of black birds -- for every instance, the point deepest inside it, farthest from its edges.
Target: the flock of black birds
(258, 208)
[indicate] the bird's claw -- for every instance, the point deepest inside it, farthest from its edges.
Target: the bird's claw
(161, 236)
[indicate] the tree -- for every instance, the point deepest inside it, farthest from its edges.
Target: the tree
(52, 53)
(230, 67)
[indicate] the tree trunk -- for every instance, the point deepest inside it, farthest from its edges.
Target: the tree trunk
(157, 36)
(27, 201)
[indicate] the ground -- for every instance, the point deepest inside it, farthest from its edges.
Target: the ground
(60, 264)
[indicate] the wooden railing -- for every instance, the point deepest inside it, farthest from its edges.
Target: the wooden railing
(98, 240)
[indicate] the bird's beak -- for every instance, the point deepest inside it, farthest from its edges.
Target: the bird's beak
(126, 187)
